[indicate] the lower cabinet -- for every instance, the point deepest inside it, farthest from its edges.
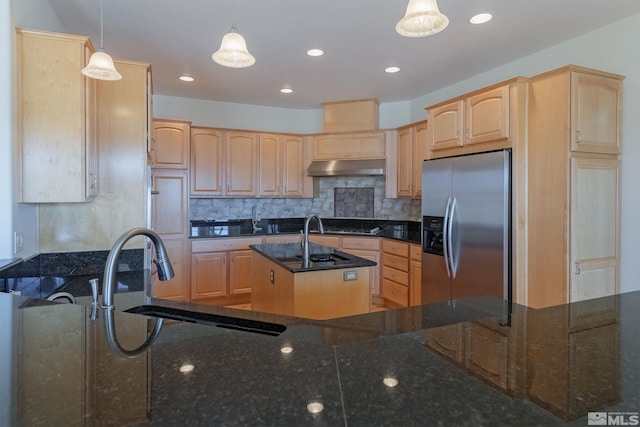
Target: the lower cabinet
(415, 274)
(395, 273)
(221, 270)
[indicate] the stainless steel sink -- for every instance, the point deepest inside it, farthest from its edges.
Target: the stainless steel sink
(220, 321)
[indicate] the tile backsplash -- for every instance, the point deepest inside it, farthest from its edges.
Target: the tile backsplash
(323, 205)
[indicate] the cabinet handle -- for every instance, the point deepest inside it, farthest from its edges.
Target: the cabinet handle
(577, 268)
(578, 137)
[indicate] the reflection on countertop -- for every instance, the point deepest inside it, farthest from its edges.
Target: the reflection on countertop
(437, 364)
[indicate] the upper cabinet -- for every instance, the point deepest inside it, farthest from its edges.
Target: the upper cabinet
(241, 163)
(207, 162)
(484, 117)
(347, 116)
(57, 118)
(170, 144)
(281, 165)
(596, 106)
(412, 151)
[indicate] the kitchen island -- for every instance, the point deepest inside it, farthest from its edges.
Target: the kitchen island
(468, 364)
(329, 284)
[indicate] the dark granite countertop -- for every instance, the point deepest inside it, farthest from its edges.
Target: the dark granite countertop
(408, 231)
(463, 364)
(289, 256)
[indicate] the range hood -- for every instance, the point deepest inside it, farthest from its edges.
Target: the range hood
(346, 167)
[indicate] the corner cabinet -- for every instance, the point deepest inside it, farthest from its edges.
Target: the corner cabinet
(573, 186)
(57, 118)
(479, 121)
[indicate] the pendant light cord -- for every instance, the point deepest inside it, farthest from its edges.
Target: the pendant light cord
(101, 24)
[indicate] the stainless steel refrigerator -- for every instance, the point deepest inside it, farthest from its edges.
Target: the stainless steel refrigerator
(466, 222)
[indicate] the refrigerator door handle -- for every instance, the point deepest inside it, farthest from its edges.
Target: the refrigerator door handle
(445, 241)
(452, 260)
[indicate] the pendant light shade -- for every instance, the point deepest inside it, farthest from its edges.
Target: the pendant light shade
(233, 51)
(422, 19)
(100, 64)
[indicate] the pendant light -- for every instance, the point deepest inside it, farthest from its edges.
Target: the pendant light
(100, 64)
(422, 19)
(233, 51)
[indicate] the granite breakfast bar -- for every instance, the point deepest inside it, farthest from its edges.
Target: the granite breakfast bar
(424, 365)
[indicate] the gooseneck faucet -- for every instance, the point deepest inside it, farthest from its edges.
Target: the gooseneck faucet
(305, 241)
(165, 270)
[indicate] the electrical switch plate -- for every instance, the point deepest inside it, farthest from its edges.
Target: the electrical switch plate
(348, 276)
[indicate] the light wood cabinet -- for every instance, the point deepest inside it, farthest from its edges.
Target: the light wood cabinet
(479, 121)
(222, 269)
(207, 162)
(281, 165)
(354, 115)
(395, 272)
(596, 109)
(170, 144)
(412, 151)
(573, 192)
(351, 145)
(170, 219)
(57, 118)
(367, 248)
(415, 274)
(241, 151)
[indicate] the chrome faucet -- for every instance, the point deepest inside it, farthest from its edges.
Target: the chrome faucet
(165, 271)
(305, 237)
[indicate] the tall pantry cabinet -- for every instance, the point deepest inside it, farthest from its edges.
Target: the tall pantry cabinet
(573, 186)
(170, 203)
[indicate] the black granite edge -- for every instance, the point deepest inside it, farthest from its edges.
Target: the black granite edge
(404, 230)
(8, 263)
(276, 252)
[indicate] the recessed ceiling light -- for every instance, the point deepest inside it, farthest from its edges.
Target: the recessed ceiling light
(392, 69)
(286, 90)
(315, 52)
(481, 18)
(315, 407)
(287, 349)
(186, 78)
(390, 381)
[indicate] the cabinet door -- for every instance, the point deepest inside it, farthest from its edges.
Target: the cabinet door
(405, 162)
(56, 114)
(364, 145)
(446, 126)
(374, 272)
(208, 275)
(270, 183)
(595, 230)
(91, 135)
(420, 153)
(596, 106)
(293, 172)
(240, 272)
(241, 163)
(487, 116)
(169, 202)
(207, 162)
(171, 144)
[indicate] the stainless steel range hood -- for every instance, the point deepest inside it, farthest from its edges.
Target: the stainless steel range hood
(346, 167)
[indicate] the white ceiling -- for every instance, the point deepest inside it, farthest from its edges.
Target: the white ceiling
(358, 36)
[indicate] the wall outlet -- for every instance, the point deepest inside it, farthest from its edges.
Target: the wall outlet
(18, 242)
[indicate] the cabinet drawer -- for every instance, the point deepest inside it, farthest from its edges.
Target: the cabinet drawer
(396, 248)
(283, 238)
(416, 252)
(217, 245)
(395, 292)
(396, 275)
(368, 243)
(395, 262)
